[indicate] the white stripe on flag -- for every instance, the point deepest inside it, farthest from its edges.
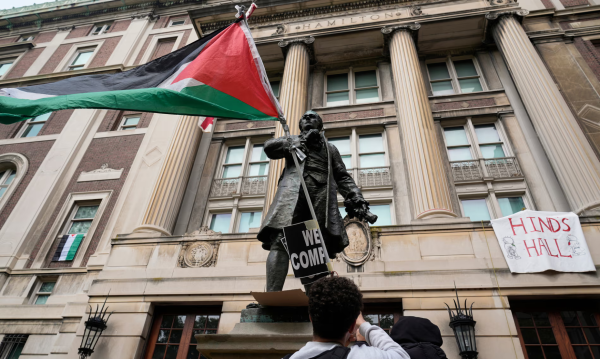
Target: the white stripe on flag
(206, 123)
(68, 244)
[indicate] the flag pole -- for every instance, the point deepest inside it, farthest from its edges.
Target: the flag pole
(295, 150)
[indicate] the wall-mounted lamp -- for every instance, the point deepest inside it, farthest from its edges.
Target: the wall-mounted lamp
(463, 325)
(94, 327)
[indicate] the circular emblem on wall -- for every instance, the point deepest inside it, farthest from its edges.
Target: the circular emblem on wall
(359, 249)
(198, 254)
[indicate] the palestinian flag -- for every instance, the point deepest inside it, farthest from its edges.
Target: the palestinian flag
(67, 247)
(220, 75)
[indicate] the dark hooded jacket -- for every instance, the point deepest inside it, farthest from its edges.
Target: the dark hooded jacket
(419, 337)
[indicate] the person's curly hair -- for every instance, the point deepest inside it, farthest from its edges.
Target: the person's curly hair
(334, 303)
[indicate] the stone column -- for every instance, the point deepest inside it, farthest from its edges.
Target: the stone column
(293, 99)
(428, 182)
(164, 204)
(570, 154)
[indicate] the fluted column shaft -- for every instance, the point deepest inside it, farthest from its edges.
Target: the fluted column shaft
(572, 159)
(428, 183)
(163, 207)
(293, 99)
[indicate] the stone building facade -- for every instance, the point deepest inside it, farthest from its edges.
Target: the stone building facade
(448, 113)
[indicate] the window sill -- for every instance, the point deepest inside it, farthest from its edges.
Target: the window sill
(29, 139)
(137, 131)
(454, 96)
(366, 106)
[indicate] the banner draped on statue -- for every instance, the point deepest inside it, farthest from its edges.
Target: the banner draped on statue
(533, 241)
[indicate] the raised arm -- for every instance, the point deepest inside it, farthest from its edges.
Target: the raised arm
(382, 346)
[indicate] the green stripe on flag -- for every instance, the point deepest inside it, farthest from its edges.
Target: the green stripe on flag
(200, 100)
(74, 247)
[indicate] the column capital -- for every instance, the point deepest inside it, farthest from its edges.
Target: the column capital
(306, 41)
(491, 18)
(388, 31)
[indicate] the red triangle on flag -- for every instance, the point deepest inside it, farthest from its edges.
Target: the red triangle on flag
(226, 64)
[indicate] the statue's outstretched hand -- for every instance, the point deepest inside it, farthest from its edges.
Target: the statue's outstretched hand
(358, 207)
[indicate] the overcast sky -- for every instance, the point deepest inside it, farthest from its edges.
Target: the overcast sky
(9, 4)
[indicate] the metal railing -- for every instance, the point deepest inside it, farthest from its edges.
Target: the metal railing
(466, 170)
(373, 177)
(504, 167)
(227, 187)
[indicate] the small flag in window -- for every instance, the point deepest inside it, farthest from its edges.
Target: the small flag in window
(69, 243)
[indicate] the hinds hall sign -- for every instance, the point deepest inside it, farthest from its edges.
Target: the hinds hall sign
(537, 241)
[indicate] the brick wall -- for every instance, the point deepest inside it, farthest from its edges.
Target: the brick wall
(9, 131)
(19, 69)
(105, 51)
(184, 39)
(457, 105)
(80, 31)
(590, 54)
(56, 122)
(113, 118)
(161, 22)
(35, 153)
(8, 40)
(352, 115)
(118, 152)
(55, 59)
(570, 3)
(548, 4)
(138, 59)
(45, 37)
(163, 47)
(120, 26)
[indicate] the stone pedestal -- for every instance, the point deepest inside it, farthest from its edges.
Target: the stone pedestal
(269, 333)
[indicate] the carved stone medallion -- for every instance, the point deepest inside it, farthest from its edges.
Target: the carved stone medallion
(360, 248)
(198, 254)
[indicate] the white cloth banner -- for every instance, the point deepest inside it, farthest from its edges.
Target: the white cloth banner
(535, 241)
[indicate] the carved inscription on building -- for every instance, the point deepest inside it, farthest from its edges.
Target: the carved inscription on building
(347, 20)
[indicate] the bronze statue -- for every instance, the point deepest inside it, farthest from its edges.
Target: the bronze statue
(324, 173)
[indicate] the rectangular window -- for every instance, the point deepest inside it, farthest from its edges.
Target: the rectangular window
(476, 209)
(558, 331)
(33, 126)
(343, 146)
(5, 65)
(74, 230)
(457, 144)
(174, 330)
(353, 87)
(275, 86)
(383, 212)
(249, 220)
(511, 205)
(163, 47)
(6, 178)
(81, 59)
(130, 122)
(485, 137)
(177, 21)
(384, 315)
(371, 151)
(259, 162)
(233, 162)
(44, 291)
(219, 222)
(454, 76)
(99, 29)
(28, 37)
(489, 141)
(12, 345)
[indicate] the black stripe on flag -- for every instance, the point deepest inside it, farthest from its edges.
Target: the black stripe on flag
(149, 75)
(61, 245)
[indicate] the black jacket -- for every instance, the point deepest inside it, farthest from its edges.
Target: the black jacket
(419, 337)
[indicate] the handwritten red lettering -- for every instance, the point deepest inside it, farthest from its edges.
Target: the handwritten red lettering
(552, 224)
(548, 248)
(513, 226)
(543, 224)
(534, 229)
(542, 245)
(557, 246)
(528, 248)
(566, 230)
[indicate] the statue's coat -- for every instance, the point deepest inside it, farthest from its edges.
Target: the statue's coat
(282, 208)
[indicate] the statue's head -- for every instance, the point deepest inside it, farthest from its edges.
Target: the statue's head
(310, 120)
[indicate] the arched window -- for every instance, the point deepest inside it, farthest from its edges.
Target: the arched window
(13, 167)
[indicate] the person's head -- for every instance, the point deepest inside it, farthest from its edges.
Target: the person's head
(334, 303)
(416, 330)
(310, 120)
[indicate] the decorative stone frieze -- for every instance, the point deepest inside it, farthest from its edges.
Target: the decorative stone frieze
(66, 28)
(281, 28)
(199, 254)
(416, 10)
(147, 15)
(101, 174)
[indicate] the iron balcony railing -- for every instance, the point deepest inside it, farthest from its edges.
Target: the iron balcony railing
(472, 170)
(373, 177)
(248, 186)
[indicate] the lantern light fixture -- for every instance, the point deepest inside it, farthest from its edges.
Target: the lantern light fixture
(463, 326)
(94, 327)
